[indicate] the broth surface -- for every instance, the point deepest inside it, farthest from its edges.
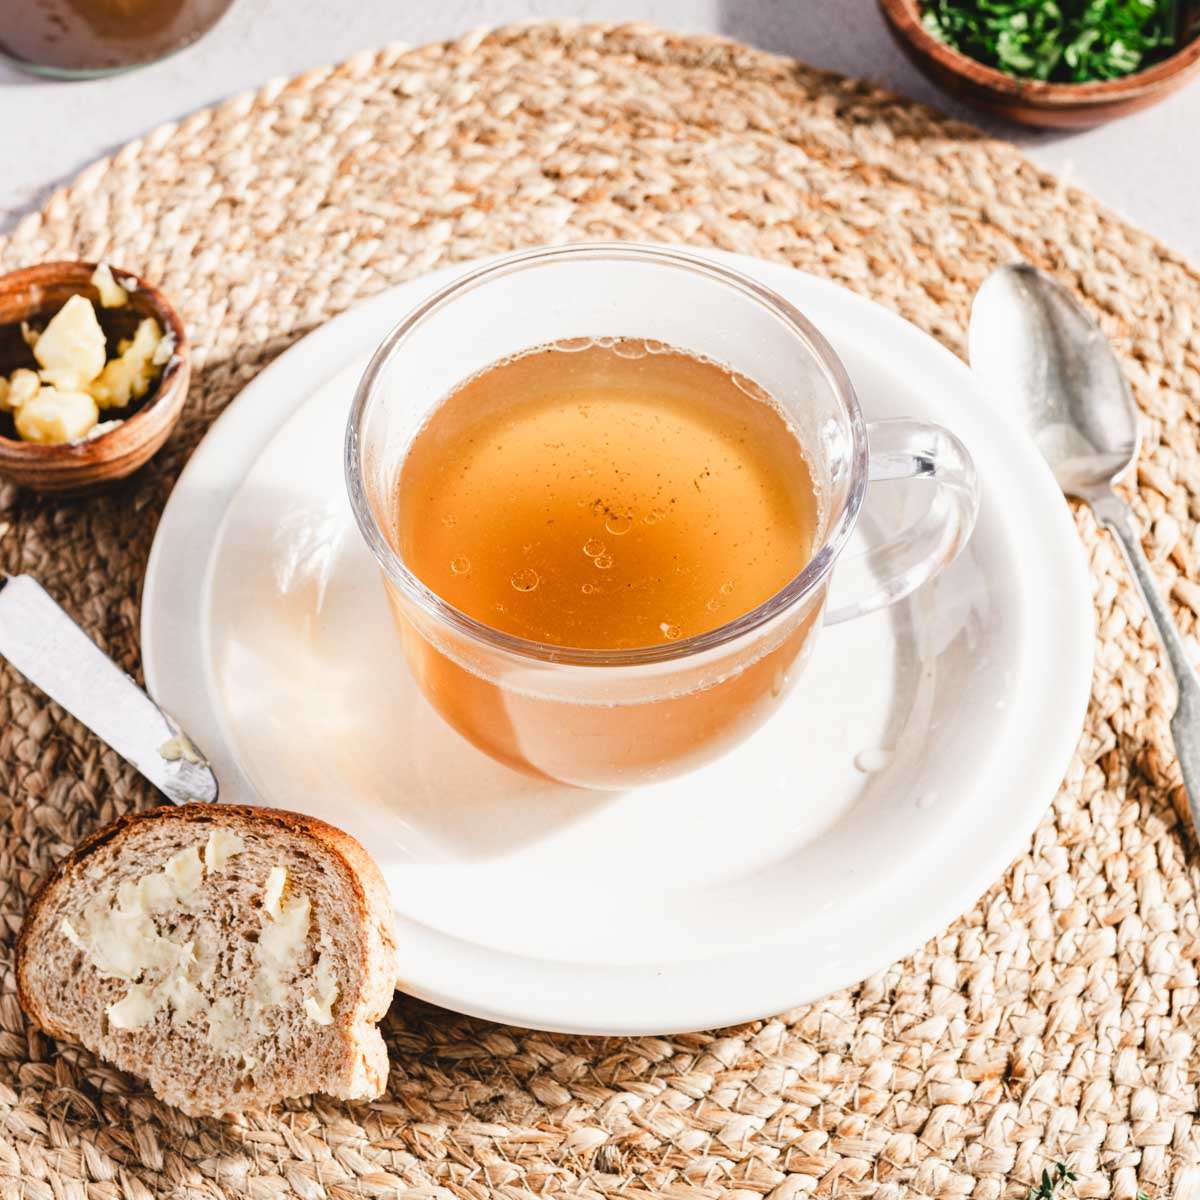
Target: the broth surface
(615, 496)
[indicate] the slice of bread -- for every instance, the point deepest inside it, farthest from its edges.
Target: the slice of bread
(231, 956)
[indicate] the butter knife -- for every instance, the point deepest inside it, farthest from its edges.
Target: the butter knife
(51, 651)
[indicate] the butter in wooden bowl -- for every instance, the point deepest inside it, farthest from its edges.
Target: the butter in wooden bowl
(93, 374)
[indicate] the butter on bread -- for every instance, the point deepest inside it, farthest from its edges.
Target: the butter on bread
(231, 956)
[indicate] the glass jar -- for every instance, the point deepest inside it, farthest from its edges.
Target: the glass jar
(82, 39)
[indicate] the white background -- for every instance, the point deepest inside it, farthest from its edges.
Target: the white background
(1147, 166)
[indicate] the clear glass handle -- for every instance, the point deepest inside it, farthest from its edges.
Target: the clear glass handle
(908, 449)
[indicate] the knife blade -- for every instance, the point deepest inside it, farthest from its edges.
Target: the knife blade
(53, 652)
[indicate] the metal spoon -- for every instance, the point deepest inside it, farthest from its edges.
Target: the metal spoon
(50, 650)
(1041, 355)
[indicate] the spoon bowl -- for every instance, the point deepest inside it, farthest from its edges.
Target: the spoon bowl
(1043, 356)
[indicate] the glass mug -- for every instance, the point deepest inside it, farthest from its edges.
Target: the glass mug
(616, 718)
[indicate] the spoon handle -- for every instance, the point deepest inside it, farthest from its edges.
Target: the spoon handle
(1185, 724)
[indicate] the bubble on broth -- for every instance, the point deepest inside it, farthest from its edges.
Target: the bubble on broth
(572, 345)
(525, 580)
(754, 390)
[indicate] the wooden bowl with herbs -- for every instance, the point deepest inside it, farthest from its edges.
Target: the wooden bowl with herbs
(94, 371)
(1052, 63)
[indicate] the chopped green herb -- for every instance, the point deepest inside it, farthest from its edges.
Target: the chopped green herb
(1053, 1185)
(1064, 41)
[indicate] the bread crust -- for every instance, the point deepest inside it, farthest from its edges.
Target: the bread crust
(377, 965)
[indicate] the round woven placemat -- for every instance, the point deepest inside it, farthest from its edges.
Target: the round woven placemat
(1055, 1021)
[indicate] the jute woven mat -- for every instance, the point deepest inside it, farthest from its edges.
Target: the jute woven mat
(1056, 1020)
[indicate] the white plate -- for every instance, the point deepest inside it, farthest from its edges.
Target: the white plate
(774, 876)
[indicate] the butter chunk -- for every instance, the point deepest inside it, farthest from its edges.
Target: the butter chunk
(279, 950)
(135, 1009)
(180, 746)
(185, 871)
(71, 347)
(128, 376)
(164, 350)
(178, 989)
(18, 388)
(53, 416)
(140, 1004)
(221, 846)
(122, 945)
(318, 1003)
(177, 882)
(273, 894)
(112, 294)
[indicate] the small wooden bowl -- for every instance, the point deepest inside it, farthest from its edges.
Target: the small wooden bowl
(40, 292)
(1029, 101)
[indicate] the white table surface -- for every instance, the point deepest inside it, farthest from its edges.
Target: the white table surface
(1147, 167)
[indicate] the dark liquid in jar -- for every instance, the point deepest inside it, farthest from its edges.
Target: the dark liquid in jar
(101, 35)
